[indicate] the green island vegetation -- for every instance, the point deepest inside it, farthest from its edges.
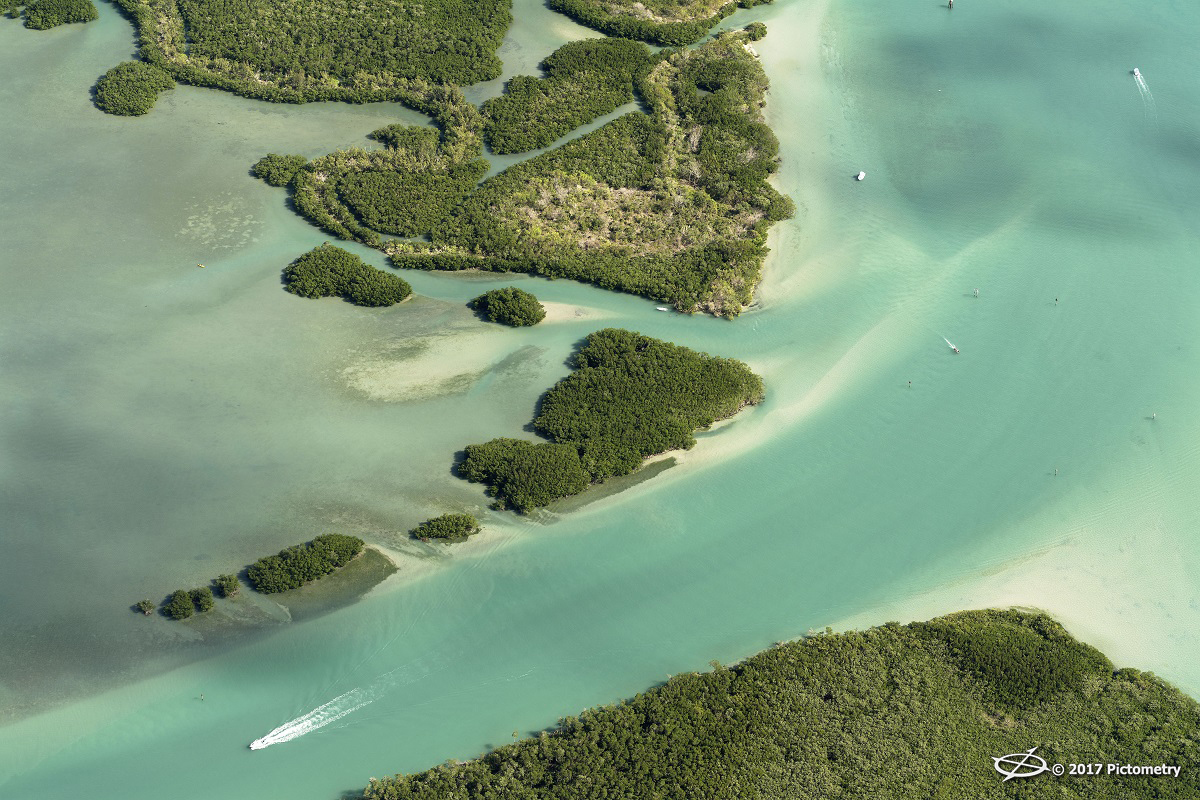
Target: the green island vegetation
(408, 187)
(179, 605)
(202, 598)
(227, 585)
(452, 527)
(278, 170)
(43, 14)
(670, 23)
(291, 568)
(304, 50)
(892, 713)
(673, 205)
(509, 306)
(131, 88)
(328, 271)
(583, 80)
(630, 397)
(295, 566)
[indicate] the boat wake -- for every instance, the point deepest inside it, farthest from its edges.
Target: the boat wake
(1147, 97)
(319, 717)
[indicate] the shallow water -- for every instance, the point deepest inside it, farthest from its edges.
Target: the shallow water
(163, 423)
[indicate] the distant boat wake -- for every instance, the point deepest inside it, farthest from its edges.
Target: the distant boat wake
(1144, 91)
(319, 717)
(340, 706)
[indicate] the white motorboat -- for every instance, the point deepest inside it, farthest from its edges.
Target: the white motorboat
(661, 308)
(1137, 73)
(860, 176)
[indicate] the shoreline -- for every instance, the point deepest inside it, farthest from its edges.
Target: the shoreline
(1072, 580)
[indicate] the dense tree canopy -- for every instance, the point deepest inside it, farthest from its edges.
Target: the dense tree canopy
(227, 585)
(43, 14)
(673, 205)
(583, 80)
(329, 271)
(303, 50)
(509, 306)
(885, 714)
(663, 22)
(179, 605)
(278, 170)
(295, 566)
(202, 598)
(409, 187)
(525, 475)
(447, 526)
(630, 397)
(131, 88)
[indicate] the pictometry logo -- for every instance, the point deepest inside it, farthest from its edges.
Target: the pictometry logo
(1020, 765)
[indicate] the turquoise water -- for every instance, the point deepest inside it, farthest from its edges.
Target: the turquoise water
(163, 423)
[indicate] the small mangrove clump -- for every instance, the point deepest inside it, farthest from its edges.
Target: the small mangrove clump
(203, 599)
(509, 306)
(179, 605)
(295, 566)
(145, 606)
(329, 271)
(227, 585)
(43, 14)
(450, 527)
(130, 88)
(277, 170)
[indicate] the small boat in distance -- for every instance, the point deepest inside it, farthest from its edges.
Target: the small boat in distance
(201, 266)
(1137, 73)
(860, 176)
(952, 347)
(661, 308)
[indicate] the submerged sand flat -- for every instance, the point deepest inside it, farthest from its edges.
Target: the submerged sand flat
(158, 414)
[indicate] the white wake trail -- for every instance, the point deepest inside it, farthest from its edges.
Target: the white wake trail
(319, 717)
(1147, 96)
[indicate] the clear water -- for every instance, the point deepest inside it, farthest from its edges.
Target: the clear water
(163, 423)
